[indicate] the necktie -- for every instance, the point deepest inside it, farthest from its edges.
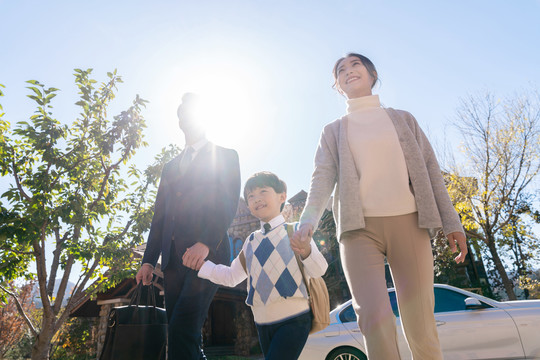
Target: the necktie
(186, 159)
(267, 228)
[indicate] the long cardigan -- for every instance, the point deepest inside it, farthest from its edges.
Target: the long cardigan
(335, 168)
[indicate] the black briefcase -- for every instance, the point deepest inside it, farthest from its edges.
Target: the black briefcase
(136, 332)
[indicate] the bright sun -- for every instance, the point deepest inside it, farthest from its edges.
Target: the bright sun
(227, 111)
(228, 98)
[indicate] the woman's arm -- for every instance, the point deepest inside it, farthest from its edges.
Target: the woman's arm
(449, 217)
(452, 227)
(323, 179)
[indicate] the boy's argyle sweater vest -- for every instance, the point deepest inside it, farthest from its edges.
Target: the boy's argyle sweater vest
(272, 268)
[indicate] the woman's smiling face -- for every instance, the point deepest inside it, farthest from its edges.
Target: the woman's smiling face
(353, 78)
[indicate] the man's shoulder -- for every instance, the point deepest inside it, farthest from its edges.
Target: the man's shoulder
(222, 149)
(172, 162)
(226, 153)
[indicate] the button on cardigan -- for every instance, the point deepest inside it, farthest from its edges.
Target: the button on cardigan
(335, 170)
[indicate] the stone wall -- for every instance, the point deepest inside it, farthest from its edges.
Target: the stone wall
(104, 321)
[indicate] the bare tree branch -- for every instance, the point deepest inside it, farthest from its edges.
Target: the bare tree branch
(21, 310)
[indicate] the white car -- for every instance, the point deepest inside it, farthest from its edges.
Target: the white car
(470, 326)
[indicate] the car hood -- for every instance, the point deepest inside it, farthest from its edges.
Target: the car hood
(523, 303)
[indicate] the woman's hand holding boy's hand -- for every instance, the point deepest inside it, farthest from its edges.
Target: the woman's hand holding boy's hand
(301, 241)
(195, 256)
(304, 233)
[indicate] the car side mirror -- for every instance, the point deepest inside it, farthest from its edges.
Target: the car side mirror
(473, 304)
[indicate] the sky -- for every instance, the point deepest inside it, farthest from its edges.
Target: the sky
(265, 66)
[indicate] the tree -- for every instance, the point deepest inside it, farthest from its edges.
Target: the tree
(76, 340)
(73, 189)
(531, 284)
(12, 327)
(500, 140)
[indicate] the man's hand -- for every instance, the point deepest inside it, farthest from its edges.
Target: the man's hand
(459, 238)
(194, 256)
(301, 240)
(145, 274)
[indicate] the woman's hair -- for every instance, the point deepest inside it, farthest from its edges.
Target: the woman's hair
(265, 179)
(365, 61)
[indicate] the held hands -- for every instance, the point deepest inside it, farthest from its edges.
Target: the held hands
(301, 241)
(194, 256)
(459, 238)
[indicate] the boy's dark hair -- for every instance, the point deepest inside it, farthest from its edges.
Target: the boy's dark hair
(264, 179)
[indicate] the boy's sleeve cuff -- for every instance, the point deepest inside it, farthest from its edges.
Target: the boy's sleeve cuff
(309, 260)
(206, 269)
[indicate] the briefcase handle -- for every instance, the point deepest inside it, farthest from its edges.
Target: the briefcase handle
(150, 296)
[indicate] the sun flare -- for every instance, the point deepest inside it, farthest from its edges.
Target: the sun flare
(228, 98)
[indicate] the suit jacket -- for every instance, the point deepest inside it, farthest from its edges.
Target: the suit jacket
(198, 206)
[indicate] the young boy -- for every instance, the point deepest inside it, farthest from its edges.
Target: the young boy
(276, 292)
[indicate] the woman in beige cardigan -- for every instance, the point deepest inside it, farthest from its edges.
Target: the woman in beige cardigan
(389, 200)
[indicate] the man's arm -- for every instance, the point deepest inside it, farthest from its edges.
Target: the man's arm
(153, 244)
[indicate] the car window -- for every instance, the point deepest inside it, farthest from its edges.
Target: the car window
(393, 302)
(445, 300)
(347, 314)
(448, 300)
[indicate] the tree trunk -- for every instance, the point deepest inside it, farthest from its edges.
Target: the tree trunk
(42, 346)
(508, 286)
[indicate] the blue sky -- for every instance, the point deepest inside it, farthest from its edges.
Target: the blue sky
(266, 65)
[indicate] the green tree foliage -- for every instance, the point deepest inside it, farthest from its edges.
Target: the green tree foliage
(501, 140)
(73, 190)
(531, 283)
(76, 340)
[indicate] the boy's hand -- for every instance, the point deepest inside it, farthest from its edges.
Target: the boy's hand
(194, 256)
(301, 241)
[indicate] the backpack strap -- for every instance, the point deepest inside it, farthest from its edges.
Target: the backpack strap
(242, 259)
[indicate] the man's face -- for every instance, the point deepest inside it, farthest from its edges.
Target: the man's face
(190, 116)
(186, 117)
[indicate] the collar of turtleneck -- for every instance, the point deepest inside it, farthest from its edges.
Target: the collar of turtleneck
(362, 103)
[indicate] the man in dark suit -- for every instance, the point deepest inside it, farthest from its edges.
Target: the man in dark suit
(196, 202)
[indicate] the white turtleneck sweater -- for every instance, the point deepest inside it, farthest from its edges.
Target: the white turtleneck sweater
(384, 179)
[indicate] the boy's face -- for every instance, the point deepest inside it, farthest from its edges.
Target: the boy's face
(264, 203)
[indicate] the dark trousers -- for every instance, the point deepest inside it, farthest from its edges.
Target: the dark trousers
(285, 340)
(187, 299)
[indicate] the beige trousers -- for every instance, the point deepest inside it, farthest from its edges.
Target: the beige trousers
(408, 251)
